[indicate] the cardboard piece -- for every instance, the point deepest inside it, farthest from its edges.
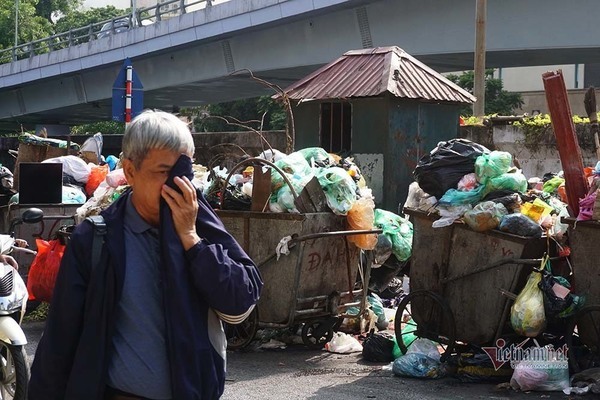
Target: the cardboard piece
(261, 189)
(312, 198)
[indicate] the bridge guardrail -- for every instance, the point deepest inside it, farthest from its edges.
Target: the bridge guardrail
(141, 17)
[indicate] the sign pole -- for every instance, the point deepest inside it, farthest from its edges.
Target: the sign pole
(128, 91)
(128, 94)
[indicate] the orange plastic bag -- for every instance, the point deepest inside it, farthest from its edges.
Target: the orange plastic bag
(361, 217)
(97, 176)
(43, 270)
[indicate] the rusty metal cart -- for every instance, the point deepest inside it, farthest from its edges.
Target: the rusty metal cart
(314, 284)
(457, 281)
(583, 333)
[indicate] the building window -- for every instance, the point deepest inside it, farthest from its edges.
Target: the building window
(336, 127)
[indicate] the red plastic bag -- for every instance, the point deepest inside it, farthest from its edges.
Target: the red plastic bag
(43, 270)
(97, 176)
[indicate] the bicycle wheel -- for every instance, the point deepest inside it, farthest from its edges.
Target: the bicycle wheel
(14, 372)
(424, 314)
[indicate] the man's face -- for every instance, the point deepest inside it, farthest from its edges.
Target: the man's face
(147, 181)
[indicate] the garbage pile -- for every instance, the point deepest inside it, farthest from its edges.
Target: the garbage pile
(81, 174)
(462, 180)
(343, 187)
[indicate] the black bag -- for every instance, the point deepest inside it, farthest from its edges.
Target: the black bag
(555, 306)
(379, 346)
(445, 165)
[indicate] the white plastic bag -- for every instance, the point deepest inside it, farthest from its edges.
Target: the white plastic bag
(343, 343)
(116, 178)
(422, 360)
(94, 144)
(541, 375)
(450, 214)
(73, 166)
(426, 347)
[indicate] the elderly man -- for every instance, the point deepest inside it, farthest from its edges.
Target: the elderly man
(145, 322)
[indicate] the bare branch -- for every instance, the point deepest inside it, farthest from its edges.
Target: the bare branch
(291, 130)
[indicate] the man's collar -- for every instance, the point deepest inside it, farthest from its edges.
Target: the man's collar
(133, 219)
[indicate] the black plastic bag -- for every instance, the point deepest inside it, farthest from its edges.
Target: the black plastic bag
(555, 306)
(445, 165)
(508, 198)
(379, 346)
(234, 199)
(475, 368)
(522, 225)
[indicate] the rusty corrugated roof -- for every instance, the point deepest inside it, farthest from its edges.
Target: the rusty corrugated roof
(372, 72)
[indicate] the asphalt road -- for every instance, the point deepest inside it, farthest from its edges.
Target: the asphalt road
(298, 373)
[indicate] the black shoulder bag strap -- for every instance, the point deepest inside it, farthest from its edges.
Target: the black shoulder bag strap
(98, 239)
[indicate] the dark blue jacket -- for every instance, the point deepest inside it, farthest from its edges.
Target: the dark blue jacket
(71, 361)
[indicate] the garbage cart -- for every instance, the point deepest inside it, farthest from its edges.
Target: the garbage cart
(583, 333)
(461, 282)
(314, 284)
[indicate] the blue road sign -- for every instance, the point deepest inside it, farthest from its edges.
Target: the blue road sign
(118, 98)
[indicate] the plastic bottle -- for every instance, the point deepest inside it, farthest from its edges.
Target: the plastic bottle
(406, 284)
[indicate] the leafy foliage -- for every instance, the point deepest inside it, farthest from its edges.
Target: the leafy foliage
(497, 100)
(31, 25)
(45, 8)
(248, 112)
(35, 19)
(104, 127)
(79, 18)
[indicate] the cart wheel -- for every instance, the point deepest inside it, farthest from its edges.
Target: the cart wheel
(431, 319)
(240, 335)
(316, 334)
(583, 339)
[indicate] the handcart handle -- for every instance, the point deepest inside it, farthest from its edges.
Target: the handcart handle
(524, 261)
(258, 161)
(297, 239)
(335, 233)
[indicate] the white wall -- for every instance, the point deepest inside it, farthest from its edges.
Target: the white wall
(525, 79)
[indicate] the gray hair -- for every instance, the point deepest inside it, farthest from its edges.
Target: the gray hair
(156, 130)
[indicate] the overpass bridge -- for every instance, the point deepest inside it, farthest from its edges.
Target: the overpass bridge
(190, 59)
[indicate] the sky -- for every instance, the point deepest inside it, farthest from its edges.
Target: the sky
(104, 3)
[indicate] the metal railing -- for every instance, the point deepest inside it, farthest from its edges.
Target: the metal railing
(76, 36)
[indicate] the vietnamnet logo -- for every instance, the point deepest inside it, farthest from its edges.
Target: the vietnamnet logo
(514, 354)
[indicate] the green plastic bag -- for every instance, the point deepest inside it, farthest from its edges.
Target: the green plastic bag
(496, 163)
(294, 165)
(454, 197)
(316, 156)
(485, 216)
(408, 337)
(514, 181)
(284, 196)
(527, 315)
(399, 230)
(551, 185)
(339, 188)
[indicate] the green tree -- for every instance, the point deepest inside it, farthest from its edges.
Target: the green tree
(31, 26)
(104, 127)
(497, 100)
(45, 8)
(80, 18)
(247, 112)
